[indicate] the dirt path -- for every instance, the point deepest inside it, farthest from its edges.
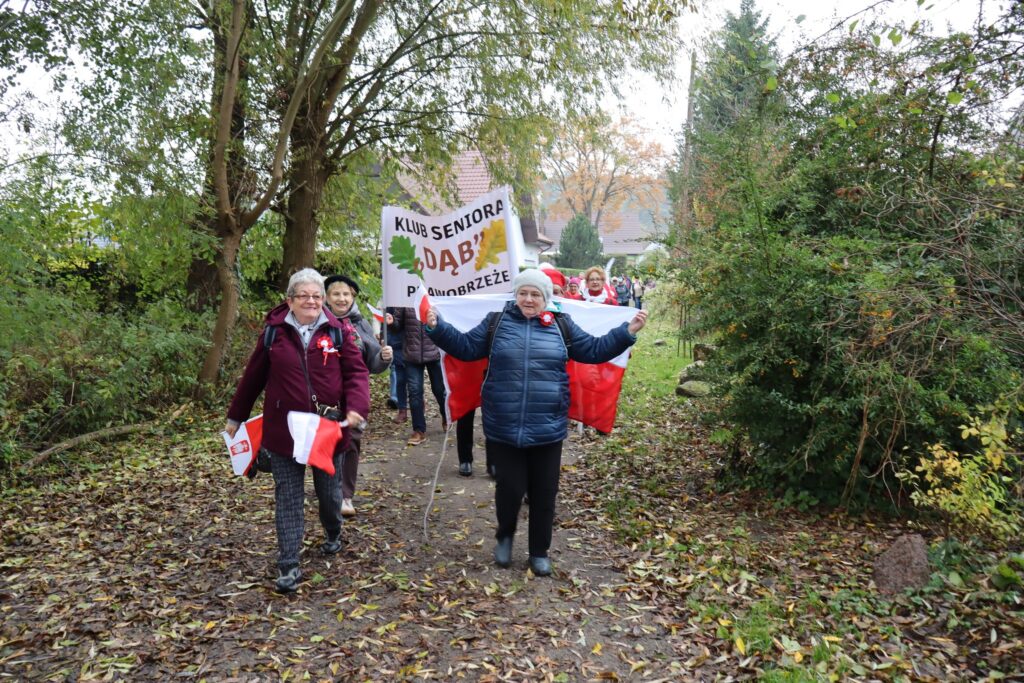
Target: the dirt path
(164, 568)
(156, 564)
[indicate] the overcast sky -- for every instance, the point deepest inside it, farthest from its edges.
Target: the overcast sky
(663, 111)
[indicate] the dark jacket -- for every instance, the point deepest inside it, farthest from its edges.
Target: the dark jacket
(368, 344)
(417, 348)
(526, 391)
(623, 291)
(337, 379)
(394, 339)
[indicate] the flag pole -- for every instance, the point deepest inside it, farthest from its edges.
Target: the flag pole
(383, 285)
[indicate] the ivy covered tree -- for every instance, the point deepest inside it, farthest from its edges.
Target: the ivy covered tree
(580, 246)
(733, 89)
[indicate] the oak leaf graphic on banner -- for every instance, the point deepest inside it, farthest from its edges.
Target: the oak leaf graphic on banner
(492, 243)
(402, 253)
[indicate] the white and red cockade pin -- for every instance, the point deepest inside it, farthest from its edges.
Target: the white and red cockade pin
(326, 347)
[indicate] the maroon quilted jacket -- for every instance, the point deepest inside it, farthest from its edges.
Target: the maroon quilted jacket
(337, 379)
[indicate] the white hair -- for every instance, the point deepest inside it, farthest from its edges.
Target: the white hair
(306, 276)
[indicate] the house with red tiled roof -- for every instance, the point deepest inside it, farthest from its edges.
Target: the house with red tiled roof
(471, 179)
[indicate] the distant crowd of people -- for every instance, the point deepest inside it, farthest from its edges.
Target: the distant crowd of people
(592, 285)
(326, 351)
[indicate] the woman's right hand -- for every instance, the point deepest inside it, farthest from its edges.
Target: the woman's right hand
(432, 317)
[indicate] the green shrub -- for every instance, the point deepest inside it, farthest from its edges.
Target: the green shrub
(834, 367)
(72, 370)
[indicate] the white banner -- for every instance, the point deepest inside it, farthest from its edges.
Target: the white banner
(473, 250)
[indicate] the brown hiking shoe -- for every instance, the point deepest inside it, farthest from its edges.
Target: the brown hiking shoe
(400, 417)
(417, 438)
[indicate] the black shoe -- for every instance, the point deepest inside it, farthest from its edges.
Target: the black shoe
(503, 552)
(466, 469)
(540, 566)
(492, 471)
(332, 546)
(288, 582)
(392, 403)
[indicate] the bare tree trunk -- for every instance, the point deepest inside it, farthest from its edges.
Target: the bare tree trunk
(307, 178)
(203, 282)
(223, 174)
(227, 312)
(685, 214)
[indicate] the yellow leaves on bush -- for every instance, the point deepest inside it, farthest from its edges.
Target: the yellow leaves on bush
(492, 243)
(969, 486)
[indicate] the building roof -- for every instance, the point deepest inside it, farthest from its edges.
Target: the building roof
(471, 180)
(627, 232)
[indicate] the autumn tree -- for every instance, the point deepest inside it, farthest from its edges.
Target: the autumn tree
(241, 113)
(597, 167)
(424, 81)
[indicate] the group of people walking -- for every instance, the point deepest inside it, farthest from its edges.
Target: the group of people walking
(320, 360)
(593, 285)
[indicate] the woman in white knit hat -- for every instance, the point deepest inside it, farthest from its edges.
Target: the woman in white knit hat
(525, 400)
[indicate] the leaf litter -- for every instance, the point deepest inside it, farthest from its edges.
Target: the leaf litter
(145, 569)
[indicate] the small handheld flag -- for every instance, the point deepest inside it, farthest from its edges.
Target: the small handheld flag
(377, 313)
(315, 438)
(422, 304)
(245, 444)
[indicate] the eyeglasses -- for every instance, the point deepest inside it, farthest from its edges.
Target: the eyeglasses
(308, 297)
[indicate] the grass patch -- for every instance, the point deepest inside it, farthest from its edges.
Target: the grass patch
(653, 371)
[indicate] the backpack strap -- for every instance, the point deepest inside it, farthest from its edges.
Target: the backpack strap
(563, 327)
(270, 333)
(493, 320)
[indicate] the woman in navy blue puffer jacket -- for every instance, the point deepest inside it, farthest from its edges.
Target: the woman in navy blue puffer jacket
(525, 400)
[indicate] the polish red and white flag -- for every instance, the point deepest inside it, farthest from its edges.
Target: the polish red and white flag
(377, 313)
(422, 304)
(315, 439)
(245, 444)
(593, 389)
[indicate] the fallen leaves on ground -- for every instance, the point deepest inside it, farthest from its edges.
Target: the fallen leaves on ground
(148, 568)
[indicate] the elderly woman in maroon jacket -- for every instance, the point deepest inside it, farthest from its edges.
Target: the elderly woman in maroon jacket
(305, 371)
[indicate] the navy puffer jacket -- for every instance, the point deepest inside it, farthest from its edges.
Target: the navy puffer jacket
(526, 391)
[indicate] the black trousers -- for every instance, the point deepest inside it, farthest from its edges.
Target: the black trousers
(464, 436)
(534, 470)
